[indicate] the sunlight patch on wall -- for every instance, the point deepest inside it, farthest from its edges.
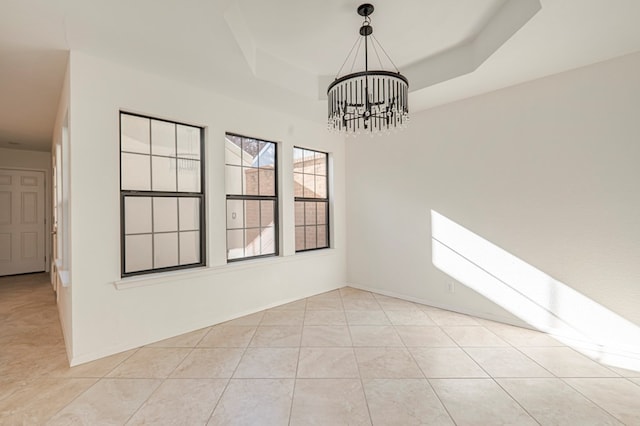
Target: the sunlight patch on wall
(538, 299)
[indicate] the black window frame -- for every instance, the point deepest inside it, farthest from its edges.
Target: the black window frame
(127, 193)
(239, 197)
(316, 200)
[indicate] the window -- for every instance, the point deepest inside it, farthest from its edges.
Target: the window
(161, 195)
(310, 180)
(252, 198)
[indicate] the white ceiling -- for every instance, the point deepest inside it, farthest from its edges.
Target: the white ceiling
(221, 45)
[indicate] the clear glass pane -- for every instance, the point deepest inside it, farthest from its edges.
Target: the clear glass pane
(233, 150)
(321, 164)
(297, 160)
(299, 238)
(309, 162)
(298, 185)
(189, 213)
(189, 247)
(250, 181)
(267, 240)
(322, 236)
(267, 182)
(299, 213)
(137, 215)
(250, 150)
(163, 138)
(164, 174)
(165, 250)
(252, 242)
(310, 237)
(235, 214)
(310, 213)
(136, 172)
(322, 213)
(165, 214)
(309, 186)
(233, 180)
(321, 186)
(134, 134)
(138, 253)
(252, 213)
(188, 142)
(235, 244)
(267, 155)
(267, 213)
(188, 175)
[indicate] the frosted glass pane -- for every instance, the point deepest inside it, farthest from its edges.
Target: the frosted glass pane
(189, 213)
(235, 244)
(165, 214)
(163, 138)
(136, 172)
(235, 214)
(252, 214)
(138, 253)
(188, 142)
(164, 174)
(233, 180)
(189, 247)
(188, 175)
(165, 250)
(137, 215)
(134, 133)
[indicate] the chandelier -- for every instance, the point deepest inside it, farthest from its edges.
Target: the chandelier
(369, 101)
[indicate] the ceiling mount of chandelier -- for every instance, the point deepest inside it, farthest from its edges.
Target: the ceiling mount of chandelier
(369, 101)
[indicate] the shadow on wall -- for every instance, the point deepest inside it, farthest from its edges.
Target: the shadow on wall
(533, 296)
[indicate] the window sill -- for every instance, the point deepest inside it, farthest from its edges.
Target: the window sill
(186, 274)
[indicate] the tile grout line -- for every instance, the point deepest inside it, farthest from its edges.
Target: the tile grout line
(163, 380)
(355, 356)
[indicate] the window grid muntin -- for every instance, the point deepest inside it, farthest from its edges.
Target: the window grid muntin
(152, 194)
(233, 137)
(316, 200)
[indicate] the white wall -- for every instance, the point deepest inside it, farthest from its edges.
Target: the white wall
(548, 171)
(20, 159)
(107, 319)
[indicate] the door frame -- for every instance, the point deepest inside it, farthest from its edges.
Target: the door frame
(47, 210)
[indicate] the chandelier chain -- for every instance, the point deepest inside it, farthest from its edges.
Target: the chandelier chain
(359, 39)
(385, 52)
(355, 57)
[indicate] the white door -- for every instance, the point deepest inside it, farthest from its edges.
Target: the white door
(22, 223)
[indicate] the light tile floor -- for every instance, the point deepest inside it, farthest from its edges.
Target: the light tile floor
(343, 357)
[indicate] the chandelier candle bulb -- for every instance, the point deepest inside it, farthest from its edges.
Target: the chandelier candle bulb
(369, 101)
